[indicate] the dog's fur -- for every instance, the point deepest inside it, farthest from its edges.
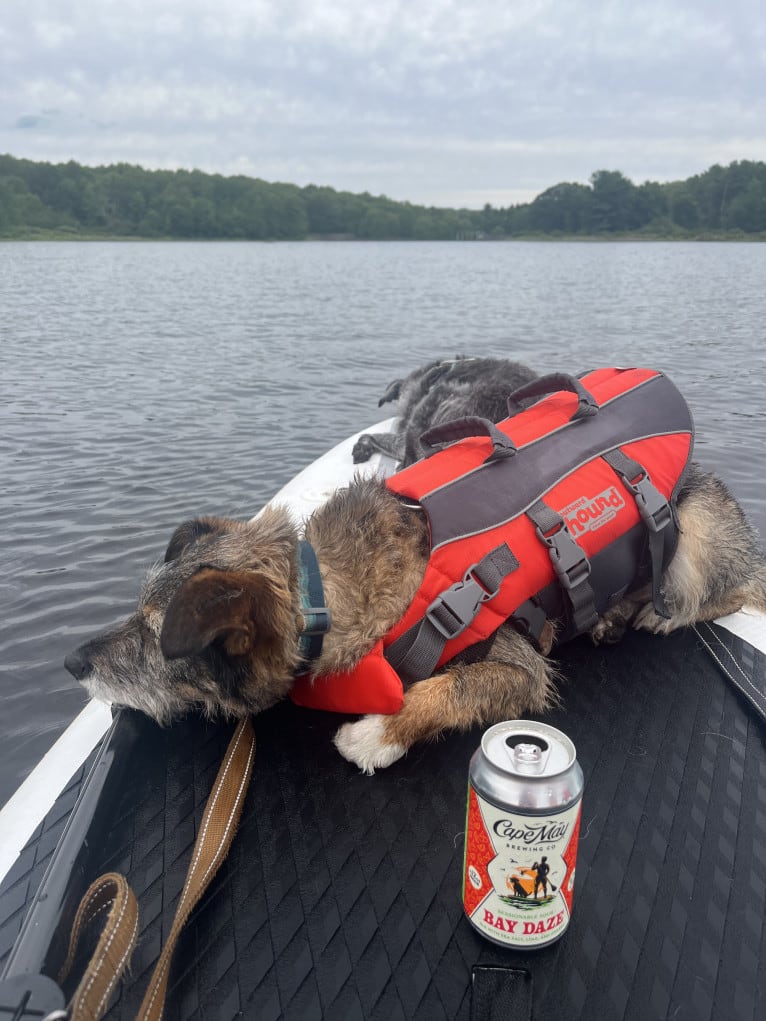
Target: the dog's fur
(218, 622)
(441, 391)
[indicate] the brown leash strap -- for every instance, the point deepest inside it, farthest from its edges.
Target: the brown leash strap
(108, 903)
(111, 893)
(219, 823)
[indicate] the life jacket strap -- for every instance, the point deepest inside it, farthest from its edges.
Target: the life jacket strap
(570, 563)
(530, 619)
(656, 513)
(415, 654)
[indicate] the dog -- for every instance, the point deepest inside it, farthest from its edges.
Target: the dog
(219, 620)
(438, 392)
(517, 888)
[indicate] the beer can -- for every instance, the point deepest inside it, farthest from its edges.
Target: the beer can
(522, 824)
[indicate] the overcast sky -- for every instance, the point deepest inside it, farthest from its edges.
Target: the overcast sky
(443, 102)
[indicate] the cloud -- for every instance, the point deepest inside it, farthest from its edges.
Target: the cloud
(28, 121)
(421, 100)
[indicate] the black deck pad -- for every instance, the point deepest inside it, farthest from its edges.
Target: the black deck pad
(341, 896)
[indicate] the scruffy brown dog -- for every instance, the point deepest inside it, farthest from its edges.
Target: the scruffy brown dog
(219, 622)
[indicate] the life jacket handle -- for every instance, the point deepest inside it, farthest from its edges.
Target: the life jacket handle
(587, 405)
(461, 429)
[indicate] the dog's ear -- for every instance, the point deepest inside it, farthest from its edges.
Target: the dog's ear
(393, 392)
(231, 608)
(192, 530)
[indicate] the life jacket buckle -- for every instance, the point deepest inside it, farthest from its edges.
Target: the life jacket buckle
(652, 506)
(569, 561)
(454, 609)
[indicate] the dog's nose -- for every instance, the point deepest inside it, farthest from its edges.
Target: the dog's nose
(78, 664)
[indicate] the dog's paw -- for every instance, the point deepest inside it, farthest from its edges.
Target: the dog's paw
(648, 620)
(364, 448)
(608, 631)
(364, 744)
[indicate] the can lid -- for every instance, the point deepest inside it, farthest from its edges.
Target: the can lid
(527, 748)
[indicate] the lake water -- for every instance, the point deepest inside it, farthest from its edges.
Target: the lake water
(141, 384)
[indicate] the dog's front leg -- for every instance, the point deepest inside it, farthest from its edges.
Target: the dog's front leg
(613, 624)
(465, 695)
(368, 444)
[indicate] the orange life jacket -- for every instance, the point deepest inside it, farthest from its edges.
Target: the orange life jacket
(557, 511)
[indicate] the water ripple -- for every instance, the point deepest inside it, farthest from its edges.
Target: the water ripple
(144, 384)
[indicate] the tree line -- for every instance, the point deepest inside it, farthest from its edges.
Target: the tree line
(127, 201)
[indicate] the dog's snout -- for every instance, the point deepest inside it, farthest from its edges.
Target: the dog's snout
(78, 664)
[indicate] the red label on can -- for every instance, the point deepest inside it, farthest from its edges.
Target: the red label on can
(519, 870)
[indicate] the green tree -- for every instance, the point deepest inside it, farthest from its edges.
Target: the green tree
(324, 211)
(11, 189)
(177, 210)
(287, 216)
(651, 203)
(748, 210)
(564, 207)
(379, 224)
(615, 202)
(709, 191)
(19, 207)
(684, 211)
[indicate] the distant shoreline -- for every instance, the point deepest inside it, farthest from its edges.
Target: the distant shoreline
(40, 234)
(53, 202)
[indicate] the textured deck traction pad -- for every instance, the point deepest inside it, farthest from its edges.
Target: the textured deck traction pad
(341, 897)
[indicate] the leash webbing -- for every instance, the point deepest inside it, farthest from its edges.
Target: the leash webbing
(110, 900)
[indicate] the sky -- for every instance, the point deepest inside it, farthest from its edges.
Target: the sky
(437, 102)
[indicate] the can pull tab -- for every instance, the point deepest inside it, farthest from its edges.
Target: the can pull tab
(528, 753)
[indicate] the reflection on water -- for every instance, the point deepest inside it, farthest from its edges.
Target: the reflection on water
(145, 383)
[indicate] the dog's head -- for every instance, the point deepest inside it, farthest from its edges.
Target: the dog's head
(217, 624)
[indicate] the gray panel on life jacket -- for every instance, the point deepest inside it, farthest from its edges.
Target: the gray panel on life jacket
(501, 490)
